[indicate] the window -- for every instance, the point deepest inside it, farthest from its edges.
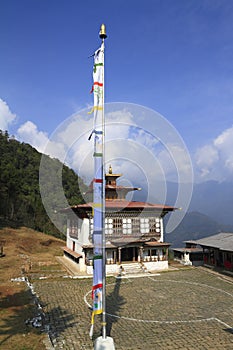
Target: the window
(135, 226)
(74, 228)
(117, 225)
(127, 226)
(113, 226)
(144, 225)
(108, 226)
(154, 225)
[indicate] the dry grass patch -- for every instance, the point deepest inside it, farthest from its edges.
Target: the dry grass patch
(26, 253)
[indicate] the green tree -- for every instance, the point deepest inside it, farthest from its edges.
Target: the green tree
(20, 197)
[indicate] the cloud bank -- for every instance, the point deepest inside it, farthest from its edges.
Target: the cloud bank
(29, 133)
(214, 161)
(131, 150)
(6, 116)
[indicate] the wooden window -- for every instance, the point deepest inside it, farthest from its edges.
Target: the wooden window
(117, 225)
(127, 226)
(108, 226)
(74, 228)
(144, 225)
(135, 226)
(154, 225)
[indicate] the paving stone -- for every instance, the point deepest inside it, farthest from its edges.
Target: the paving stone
(186, 309)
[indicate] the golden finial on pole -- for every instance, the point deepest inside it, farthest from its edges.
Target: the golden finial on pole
(102, 33)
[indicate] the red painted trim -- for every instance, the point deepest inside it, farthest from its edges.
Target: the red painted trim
(97, 83)
(100, 181)
(99, 285)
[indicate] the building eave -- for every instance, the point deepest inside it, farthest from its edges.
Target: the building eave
(71, 252)
(115, 205)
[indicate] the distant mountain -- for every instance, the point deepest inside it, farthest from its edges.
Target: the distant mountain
(212, 198)
(194, 226)
(209, 212)
(20, 198)
(215, 199)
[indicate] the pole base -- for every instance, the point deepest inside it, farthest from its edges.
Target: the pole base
(104, 344)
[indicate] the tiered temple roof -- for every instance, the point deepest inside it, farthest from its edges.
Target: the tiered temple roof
(115, 200)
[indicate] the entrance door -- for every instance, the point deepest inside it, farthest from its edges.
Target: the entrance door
(128, 254)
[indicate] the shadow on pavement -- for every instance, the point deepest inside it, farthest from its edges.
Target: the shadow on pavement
(114, 303)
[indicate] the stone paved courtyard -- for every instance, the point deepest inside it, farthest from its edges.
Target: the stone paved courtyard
(184, 309)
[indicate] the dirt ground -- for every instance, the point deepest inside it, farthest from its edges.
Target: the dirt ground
(25, 253)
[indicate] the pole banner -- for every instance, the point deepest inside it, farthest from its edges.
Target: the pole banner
(97, 89)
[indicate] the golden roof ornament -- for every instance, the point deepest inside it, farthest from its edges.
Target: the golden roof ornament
(102, 33)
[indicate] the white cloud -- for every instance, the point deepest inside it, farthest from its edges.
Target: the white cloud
(80, 150)
(175, 162)
(134, 146)
(207, 156)
(214, 161)
(6, 116)
(29, 133)
(139, 143)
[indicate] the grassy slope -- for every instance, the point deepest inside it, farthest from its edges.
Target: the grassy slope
(27, 252)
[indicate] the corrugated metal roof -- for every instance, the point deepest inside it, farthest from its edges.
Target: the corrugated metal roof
(222, 241)
(191, 242)
(188, 250)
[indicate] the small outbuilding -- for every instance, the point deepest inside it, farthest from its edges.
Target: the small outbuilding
(191, 254)
(218, 251)
(215, 251)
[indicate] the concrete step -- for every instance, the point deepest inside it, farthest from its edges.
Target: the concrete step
(132, 268)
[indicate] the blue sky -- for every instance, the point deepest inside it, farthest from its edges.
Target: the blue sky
(172, 56)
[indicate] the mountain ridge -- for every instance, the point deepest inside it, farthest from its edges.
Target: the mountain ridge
(20, 192)
(209, 211)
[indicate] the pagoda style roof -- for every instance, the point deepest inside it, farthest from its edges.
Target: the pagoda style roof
(115, 200)
(82, 210)
(122, 188)
(125, 204)
(112, 190)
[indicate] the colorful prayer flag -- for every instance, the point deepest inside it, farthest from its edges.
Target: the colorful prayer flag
(97, 89)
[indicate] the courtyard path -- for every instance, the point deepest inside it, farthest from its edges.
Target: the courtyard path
(185, 309)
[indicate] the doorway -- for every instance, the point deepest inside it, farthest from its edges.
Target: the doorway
(129, 254)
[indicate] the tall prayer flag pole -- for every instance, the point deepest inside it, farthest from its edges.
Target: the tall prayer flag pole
(103, 36)
(99, 255)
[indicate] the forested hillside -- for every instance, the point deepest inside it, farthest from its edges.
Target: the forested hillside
(20, 198)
